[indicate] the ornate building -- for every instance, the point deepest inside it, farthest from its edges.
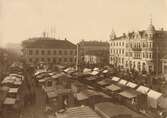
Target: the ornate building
(49, 50)
(142, 50)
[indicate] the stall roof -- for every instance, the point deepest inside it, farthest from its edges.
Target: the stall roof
(40, 71)
(111, 110)
(18, 82)
(52, 94)
(113, 87)
(81, 96)
(9, 101)
(7, 81)
(79, 112)
(129, 93)
(16, 75)
(96, 69)
(91, 78)
(94, 73)
(49, 89)
(105, 71)
(87, 71)
(44, 79)
(115, 79)
(103, 82)
(143, 89)
(131, 85)
(13, 90)
(154, 94)
(123, 82)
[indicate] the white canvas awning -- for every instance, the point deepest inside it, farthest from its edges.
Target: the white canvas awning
(96, 69)
(142, 89)
(9, 101)
(116, 79)
(94, 73)
(81, 96)
(131, 85)
(113, 87)
(13, 90)
(87, 71)
(153, 97)
(123, 82)
(128, 94)
(105, 71)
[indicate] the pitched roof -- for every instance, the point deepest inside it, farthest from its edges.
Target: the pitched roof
(47, 42)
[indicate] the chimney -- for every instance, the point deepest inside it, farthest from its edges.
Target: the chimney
(162, 29)
(44, 34)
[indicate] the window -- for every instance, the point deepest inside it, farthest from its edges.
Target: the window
(150, 44)
(122, 43)
(70, 59)
(60, 52)
(55, 52)
(119, 43)
(65, 52)
(54, 59)
(42, 59)
(42, 52)
(119, 51)
(59, 59)
(146, 55)
(48, 52)
(30, 52)
(65, 59)
(48, 59)
(37, 52)
(150, 55)
(122, 51)
(143, 44)
(71, 52)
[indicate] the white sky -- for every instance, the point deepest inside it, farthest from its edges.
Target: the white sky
(77, 19)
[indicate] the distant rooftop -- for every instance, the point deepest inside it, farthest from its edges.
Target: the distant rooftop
(94, 43)
(47, 42)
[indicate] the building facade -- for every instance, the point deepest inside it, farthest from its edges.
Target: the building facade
(142, 50)
(49, 50)
(93, 52)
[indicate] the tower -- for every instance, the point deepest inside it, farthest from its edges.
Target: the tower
(150, 29)
(112, 35)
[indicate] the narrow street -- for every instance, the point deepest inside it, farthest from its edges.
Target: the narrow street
(37, 109)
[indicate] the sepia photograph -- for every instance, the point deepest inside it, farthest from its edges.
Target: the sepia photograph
(83, 58)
